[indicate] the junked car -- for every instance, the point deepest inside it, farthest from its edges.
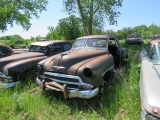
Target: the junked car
(134, 39)
(82, 71)
(5, 51)
(150, 81)
(154, 37)
(15, 66)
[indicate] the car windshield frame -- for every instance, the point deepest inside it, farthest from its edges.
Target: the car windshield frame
(36, 48)
(155, 37)
(90, 43)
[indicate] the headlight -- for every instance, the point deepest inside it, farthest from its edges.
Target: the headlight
(87, 72)
(38, 68)
(6, 71)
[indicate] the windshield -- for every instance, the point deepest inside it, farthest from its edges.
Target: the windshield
(34, 48)
(134, 36)
(156, 53)
(90, 43)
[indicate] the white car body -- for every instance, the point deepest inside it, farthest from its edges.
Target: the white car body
(150, 81)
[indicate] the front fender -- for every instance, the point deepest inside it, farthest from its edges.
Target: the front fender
(99, 67)
(19, 67)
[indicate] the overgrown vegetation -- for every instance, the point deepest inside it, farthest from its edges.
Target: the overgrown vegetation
(120, 102)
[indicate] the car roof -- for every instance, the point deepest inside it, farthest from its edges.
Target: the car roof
(46, 43)
(4, 45)
(155, 41)
(97, 36)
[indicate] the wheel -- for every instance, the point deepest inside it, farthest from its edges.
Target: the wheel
(28, 76)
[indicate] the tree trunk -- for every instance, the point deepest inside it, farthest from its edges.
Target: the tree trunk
(82, 16)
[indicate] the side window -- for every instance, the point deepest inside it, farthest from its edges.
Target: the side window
(56, 49)
(113, 41)
(67, 46)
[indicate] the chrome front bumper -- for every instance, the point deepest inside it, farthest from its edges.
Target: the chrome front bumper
(69, 93)
(6, 81)
(61, 82)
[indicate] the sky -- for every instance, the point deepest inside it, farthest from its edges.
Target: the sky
(133, 13)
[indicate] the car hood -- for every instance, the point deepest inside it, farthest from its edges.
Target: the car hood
(70, 61)
(26, 55)
(150, 87)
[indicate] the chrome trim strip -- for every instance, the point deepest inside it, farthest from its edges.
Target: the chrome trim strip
(108, 70)
(66, 76)
(8, 85)
(156, 70)
(72, 83)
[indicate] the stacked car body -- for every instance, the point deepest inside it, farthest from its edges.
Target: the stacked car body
(15, 66)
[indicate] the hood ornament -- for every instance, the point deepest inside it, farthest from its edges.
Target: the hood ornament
(58, 68)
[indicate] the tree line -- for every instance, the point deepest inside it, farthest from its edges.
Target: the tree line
(71, 27)
(93, 14)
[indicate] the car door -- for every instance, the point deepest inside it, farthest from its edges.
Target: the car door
(121, 51)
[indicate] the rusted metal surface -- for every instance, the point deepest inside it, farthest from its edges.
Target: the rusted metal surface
(82, 70)
(17, 64)
(134, 39)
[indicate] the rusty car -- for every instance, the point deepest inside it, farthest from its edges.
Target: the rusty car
(5, 51)
(84, 70)
(134, 39)
(150, 81)
(12, 68)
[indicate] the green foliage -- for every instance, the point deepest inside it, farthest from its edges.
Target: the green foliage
(20, 12)
(68, 29)
(93, 13)
(146, 32)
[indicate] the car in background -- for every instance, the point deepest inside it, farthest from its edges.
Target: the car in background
(5, 51)
(12, 68)
(155, 37)
(84, 70)
(134, 39)
(150, 81)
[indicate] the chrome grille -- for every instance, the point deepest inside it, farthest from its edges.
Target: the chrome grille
(73, 82)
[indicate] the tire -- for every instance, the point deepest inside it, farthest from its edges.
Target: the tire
(28, 76)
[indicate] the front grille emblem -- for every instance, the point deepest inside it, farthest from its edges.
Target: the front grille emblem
(58, 68)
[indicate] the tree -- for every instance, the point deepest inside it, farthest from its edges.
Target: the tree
(17, 39)
(154, 29)
(111, 32)
(94, 12)
(20, 12)
(68, 29)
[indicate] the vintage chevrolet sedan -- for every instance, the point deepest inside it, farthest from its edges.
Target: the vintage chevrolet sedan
(12, 68)
(150, 81)
(84, 70)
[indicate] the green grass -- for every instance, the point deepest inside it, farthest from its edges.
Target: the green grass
(120, 102)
